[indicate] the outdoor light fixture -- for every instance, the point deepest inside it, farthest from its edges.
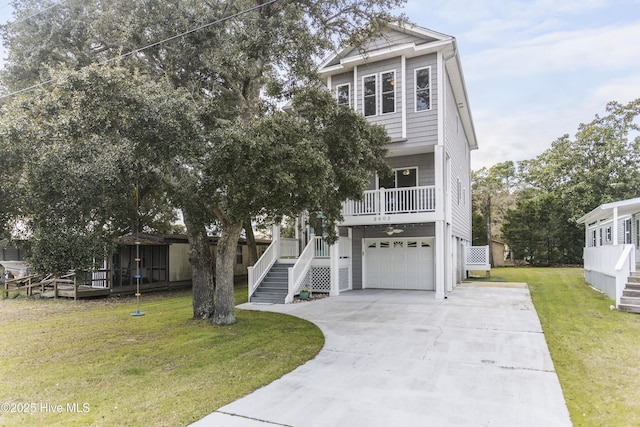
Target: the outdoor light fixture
(406, 172)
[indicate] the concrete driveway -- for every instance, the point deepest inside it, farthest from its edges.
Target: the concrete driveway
(402, 358)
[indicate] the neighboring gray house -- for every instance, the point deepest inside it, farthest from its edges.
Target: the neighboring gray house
(611, 255)
(410, 231)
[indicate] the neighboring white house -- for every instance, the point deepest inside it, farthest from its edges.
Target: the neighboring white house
(611, 255)
(410, 231)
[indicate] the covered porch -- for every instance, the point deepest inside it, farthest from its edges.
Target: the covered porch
(611, 255)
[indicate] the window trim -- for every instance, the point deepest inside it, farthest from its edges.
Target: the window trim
(382, 93)
(348, 85)
(375, 95)
(415, 90)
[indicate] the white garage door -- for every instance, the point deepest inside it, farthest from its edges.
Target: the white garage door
(399, 263)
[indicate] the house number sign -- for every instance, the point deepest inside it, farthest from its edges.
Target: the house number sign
(381, 218)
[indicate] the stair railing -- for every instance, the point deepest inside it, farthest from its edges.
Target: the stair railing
(624, 267)
(260, 269)
(300, 269)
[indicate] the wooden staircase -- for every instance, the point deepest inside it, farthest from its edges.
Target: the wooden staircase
(274, 287)
(630, 301)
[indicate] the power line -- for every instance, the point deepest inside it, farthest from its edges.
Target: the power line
(132, 52)
(33, 14)
(177, 36)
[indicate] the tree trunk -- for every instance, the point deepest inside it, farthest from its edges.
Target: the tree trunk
(251, 242)
(224, 313)
(201, 271)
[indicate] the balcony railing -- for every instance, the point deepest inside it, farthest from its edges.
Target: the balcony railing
(392, 201)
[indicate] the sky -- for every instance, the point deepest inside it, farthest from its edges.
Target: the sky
(534, 69)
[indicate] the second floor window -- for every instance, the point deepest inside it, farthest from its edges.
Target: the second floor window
(344, 97)
(369, 95)
(423, 89)
(388, 92)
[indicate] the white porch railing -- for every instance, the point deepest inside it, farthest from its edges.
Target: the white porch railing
(299, 270)
(392, 201)
(477, 258)
(260, 269)
(607, 268)
(321, 248)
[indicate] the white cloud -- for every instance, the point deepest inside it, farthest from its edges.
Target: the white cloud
(608, 48)
(518, 135)
(623, 90)
(524, 133)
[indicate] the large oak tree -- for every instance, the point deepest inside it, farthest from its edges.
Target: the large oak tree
(245, 57)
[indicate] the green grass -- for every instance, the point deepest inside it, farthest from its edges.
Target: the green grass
(596, 351)
(161, 369)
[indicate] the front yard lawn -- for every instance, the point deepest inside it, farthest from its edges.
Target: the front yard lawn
(91, 363)
(596, 351)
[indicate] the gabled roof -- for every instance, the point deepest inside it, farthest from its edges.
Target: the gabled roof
(420, 41)
(605, 211)
(415, 41)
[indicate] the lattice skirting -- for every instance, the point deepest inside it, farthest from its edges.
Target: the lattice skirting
(318, 279)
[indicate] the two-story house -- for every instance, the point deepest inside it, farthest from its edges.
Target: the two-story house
(410, 230)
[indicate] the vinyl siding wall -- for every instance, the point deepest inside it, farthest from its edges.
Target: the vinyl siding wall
(456, 145)
(391, 121)
(390, 38)
(421, 126)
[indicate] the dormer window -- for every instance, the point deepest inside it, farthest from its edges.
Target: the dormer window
(423, 89)
(343, 94)
(370, 99)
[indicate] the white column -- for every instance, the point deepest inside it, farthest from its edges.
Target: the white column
(438, 160)
(614, 236)
(403, 95)
(355, 88)
(440, 261)
(350, 255)
(442, 91)
(334, 259)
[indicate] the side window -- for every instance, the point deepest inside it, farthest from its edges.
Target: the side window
(370, 99)
(627, 231)
(388, 92)
(423, 89)
(343, 94)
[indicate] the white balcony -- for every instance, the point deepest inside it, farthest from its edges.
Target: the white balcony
(399, 205)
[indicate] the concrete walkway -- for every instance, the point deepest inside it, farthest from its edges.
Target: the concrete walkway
(402, 358)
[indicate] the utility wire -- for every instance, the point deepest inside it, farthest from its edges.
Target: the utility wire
(124, 55)
(33, 14)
